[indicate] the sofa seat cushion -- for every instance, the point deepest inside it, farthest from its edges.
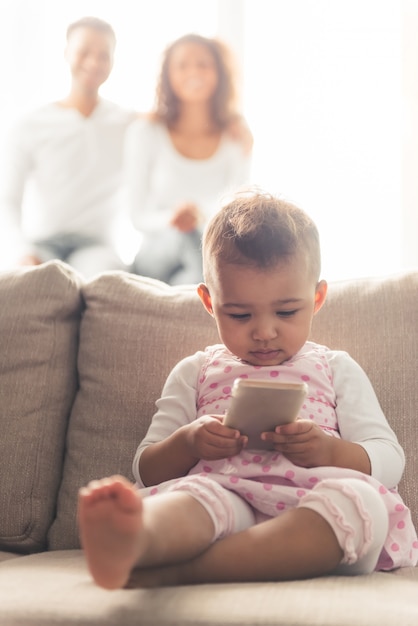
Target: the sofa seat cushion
(39, 322)
(68, 596)
(7, 556)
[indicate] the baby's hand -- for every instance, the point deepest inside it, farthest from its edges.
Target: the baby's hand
(210, 440)
(303, 442)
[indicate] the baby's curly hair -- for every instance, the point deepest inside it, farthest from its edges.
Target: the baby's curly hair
(259, 230)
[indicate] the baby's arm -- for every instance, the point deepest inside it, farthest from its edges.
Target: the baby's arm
(176, 440)
(361, 420)
(367, 443)
(305, 444)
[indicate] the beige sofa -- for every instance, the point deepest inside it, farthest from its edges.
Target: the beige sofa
(81, 364)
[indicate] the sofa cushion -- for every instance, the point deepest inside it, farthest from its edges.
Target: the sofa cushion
(55, 589)
(133, 331)
(376, 321)
(8, 556)
(39, 321)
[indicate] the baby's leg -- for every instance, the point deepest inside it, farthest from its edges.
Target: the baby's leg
(119, 530)
(339, 527)
(359, 518)
(298, 544)
(110, 521)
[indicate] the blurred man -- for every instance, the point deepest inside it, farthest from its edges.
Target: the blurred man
(63, 166)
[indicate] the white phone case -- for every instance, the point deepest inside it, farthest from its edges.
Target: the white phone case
(258, 406)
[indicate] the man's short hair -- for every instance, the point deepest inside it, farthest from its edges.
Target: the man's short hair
(92, 22)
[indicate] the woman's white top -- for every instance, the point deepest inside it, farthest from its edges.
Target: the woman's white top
(159, 178)
(68, 169)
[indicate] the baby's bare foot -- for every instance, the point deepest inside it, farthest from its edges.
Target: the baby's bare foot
(110, 521)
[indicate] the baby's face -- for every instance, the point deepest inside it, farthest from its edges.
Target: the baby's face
(264, 316)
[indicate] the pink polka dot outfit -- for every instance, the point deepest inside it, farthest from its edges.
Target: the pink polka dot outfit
(222, 368)
(267, 481)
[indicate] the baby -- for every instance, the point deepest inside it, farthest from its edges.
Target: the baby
(206, 508)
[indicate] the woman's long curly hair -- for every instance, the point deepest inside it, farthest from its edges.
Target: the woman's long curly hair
(224, 99)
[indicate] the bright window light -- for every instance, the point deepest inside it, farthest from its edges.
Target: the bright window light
(321, 93)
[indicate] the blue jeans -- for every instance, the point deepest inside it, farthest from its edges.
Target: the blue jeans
(86, 254)
(170, 256)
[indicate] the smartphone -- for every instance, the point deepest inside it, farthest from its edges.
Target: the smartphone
(258, 406)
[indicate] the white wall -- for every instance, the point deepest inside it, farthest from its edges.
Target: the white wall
(322, 94)
(410, 133)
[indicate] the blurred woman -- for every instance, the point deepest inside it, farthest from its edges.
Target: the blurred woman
(190, 151)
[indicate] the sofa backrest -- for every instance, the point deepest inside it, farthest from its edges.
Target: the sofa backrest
(376, 321)
(135, 329)
(40, 311)
(132, 330)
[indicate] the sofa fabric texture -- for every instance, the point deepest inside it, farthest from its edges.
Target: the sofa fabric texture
(81, 366)
(39, 323)
(132, 333)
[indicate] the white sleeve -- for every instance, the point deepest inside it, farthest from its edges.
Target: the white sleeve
(176, 406)
(234, 171)
(361, 419)
(141, 151)
(239, 167)
(16, 166)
